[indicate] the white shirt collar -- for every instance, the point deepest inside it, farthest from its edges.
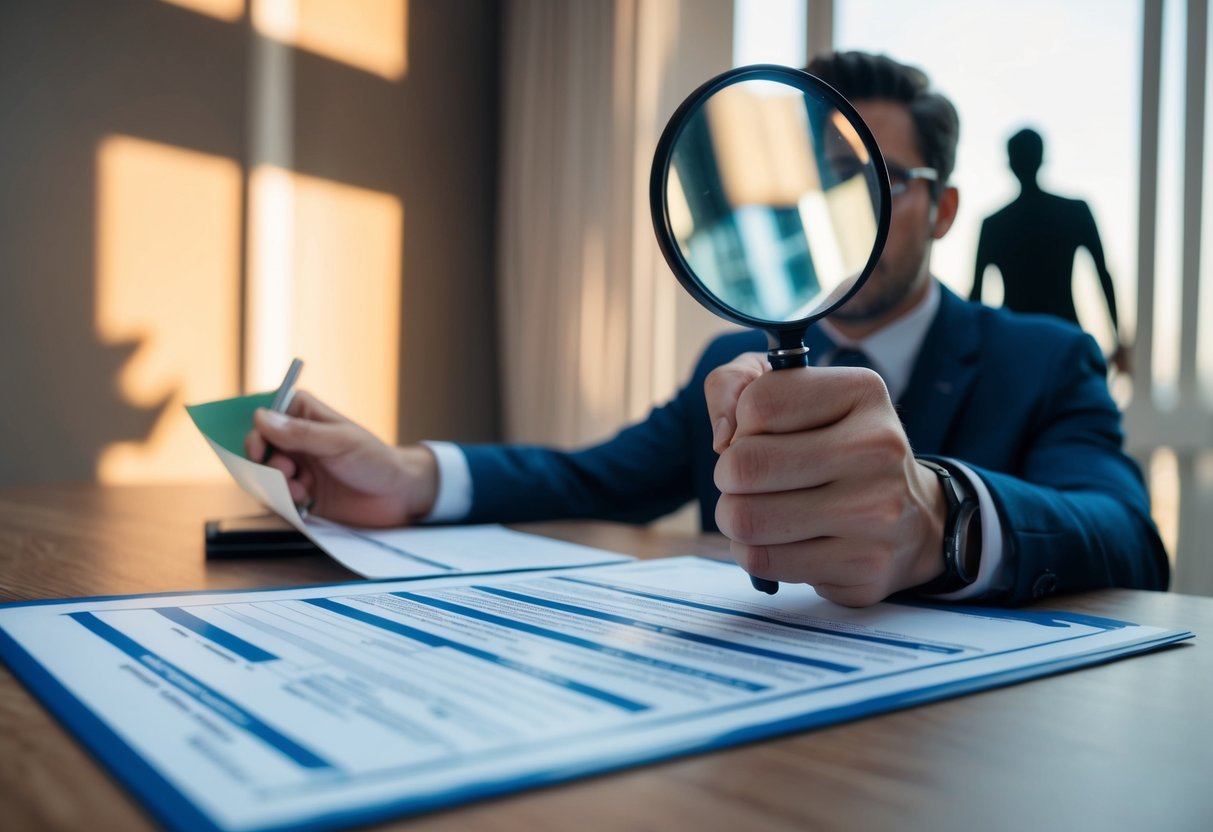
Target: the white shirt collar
(894, 348)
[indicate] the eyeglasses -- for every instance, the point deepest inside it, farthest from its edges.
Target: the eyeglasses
(900, 178)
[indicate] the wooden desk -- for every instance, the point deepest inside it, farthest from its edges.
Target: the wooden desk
(1128, 745)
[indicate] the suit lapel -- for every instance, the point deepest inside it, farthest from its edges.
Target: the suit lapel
(944, 370)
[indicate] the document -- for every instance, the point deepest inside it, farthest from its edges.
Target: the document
(447, 550)
(331, 706)
(381, 553)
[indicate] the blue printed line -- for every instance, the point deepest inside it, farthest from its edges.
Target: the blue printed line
(585, 644)
(432, 640)
(1057, 619)
(894, 642)
(672, 631)
(366, 538)
(202, 693)
(244, 649)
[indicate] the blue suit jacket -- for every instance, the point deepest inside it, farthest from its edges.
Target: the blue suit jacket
(1022, 400)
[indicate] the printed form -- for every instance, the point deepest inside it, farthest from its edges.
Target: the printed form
(329, 706)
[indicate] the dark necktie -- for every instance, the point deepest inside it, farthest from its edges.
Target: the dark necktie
(848, 357)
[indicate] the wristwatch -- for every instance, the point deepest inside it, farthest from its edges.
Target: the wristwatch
(961, 536)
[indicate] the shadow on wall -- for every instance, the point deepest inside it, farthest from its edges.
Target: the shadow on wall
(76, 74)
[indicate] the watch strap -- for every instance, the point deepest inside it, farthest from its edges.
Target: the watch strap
(962, 514)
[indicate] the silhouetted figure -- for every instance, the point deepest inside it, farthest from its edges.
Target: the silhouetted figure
(1033, 242)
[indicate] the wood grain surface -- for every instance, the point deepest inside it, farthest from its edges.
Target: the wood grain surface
(1126, 745)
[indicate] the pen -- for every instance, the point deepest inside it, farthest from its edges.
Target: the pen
(286, 390)
(282, 398)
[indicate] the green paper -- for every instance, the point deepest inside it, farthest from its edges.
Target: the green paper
(226, 422)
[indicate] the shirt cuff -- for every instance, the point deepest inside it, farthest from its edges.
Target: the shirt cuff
(454, 499)
(991, 539)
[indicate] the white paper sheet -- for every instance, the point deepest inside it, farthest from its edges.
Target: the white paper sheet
(410, 552)
(329, 706)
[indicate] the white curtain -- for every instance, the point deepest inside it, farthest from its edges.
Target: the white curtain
(593, 328)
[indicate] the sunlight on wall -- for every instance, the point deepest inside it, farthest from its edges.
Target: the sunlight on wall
(168, 276)
(229, 10)
(369, 34)
(269, 297)
(333, 255)
(592, 367)
(1163, 483)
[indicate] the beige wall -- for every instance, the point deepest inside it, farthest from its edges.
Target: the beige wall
(74, 73)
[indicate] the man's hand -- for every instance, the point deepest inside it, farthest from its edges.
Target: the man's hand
(343, 471)
(818, 483)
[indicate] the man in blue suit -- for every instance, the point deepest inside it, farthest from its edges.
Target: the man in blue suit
(981, 460)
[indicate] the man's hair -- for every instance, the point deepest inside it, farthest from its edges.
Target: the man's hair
(862, 76)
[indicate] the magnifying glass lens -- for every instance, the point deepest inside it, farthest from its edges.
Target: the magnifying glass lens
(771, 198)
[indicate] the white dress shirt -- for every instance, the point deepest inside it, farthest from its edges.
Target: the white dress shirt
(892, 352)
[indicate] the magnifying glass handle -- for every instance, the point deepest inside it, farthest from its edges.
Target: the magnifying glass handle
(788, 359)
(781, 359)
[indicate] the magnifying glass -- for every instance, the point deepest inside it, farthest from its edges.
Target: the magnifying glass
(771, 204)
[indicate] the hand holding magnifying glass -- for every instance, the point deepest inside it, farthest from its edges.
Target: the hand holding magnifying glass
(771, 203)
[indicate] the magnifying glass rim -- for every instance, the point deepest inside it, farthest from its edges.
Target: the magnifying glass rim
(659, 194)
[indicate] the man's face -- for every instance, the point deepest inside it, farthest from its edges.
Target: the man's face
(903, 271)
